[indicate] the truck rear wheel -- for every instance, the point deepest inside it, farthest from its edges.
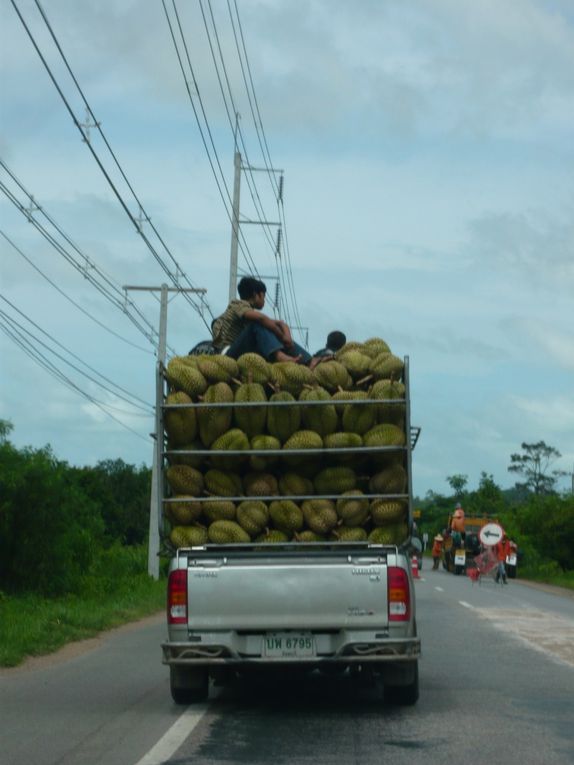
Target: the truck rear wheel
(188, 685)
(403, 695)
(458, 570)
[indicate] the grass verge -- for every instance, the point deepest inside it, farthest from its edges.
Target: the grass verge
(115, 591)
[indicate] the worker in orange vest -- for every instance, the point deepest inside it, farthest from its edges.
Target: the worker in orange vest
(436, 551)
(502, 550)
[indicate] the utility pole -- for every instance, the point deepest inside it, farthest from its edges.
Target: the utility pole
(236, 222)
(156, 487)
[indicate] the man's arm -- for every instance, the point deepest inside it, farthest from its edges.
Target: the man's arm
(279, 328)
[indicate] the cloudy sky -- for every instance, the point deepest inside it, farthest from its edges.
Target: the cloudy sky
(428, 199)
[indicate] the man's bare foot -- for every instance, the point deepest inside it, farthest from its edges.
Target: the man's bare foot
(280, 356)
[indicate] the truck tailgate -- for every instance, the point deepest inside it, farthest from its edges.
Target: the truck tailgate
(287, 592)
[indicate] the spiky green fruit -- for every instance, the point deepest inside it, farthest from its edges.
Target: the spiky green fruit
(254, 368)
(217, 368)
(353, 508)
(188, 536)
(342, 396)
(180, 424)
(320, 419)
(286, 375)
(389, 535)
(389, 391)
(359, 418)
(185, 480)
(304, 439)
(309, 536)
(219, 510)
(348, 534)
(335, 480)
(191, 459)
(272, 536)
(253, 516)
(214, 422)
(387, 512)
(232, 440)
(390, 480)
(286, 515)
(283, 421)
(182, 376)
(260, 485)
(250, 419)
(320, 515)
(374, 346)
(227, 532)
(356, 363)
(332, 375)
(352, 345)
(292, 484)
(385, 365)
(182, 512)
(223, 484)
(385, 435)
(263, 443)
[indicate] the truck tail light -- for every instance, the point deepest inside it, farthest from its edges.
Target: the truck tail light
(177, 597)
(398, 594)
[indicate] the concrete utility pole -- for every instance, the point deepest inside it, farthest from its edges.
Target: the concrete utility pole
(156, 487)
(235, 214)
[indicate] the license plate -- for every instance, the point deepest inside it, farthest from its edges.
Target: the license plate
(285, 645)
(459, 558)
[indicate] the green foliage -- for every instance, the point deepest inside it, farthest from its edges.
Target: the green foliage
(49, 529)
(548, 523)
(534, 464)
(123, 495)
(457, 483)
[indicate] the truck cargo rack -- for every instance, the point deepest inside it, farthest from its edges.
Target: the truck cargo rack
(163, 453)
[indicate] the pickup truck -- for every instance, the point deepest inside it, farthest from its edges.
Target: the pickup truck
(327, 605)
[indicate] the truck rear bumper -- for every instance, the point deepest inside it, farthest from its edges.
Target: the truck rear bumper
(233, 649)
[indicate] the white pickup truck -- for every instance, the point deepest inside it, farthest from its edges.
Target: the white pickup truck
(328, 605)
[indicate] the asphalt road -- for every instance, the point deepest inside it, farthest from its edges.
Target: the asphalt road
(497, 685)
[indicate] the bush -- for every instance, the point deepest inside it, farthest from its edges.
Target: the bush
(49, 529)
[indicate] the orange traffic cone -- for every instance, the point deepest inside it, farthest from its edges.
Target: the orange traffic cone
(415, 567)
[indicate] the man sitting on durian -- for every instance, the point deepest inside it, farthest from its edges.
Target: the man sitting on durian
(242, 328)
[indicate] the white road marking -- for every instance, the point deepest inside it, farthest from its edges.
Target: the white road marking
(174, 737)
(440, 589)
(465, 604)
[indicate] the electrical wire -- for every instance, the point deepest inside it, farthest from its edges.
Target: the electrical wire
(175, 278)
(148, 408)
(71, 300)
(37, 356)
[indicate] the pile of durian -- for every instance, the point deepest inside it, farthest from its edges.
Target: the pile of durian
(273, 491)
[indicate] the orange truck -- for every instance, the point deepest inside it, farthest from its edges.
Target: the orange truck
(460, 548)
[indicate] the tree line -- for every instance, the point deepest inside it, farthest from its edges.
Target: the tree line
(58, 522)
(533, 512)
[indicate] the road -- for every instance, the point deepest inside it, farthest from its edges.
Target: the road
(497, 682)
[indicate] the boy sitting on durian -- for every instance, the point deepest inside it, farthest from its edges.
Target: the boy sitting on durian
(242, 328)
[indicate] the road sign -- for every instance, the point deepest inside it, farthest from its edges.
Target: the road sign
(491, 534)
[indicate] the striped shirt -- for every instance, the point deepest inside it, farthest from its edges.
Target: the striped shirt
(227, 327)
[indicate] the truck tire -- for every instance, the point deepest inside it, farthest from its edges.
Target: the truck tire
(403, 695)
(458, 570)
(188, 685)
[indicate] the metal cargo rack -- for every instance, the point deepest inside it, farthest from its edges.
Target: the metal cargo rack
(162, 453)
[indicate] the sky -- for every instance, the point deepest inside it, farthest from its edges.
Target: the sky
(428, 199)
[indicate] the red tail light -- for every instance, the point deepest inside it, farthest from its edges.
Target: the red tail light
(177, 597)
(398, 594)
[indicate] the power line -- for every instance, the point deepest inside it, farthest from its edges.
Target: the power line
(20, 340)
(179, 272)
(148, 408)
(71, 300)
(88, 269)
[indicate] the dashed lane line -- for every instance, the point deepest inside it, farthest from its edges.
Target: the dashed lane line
(465, 604)
(174, 737)
(439, 589)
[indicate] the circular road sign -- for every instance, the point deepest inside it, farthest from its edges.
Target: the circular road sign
(490, 534)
